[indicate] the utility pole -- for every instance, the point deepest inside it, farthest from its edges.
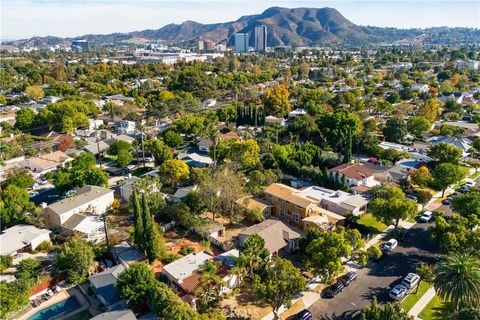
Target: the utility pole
(143, 146)
(98, 143)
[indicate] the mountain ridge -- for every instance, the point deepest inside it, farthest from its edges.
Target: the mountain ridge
(286, 26)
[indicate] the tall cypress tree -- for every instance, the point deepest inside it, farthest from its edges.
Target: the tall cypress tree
(139, 230)
(154, 242)
(347, 152)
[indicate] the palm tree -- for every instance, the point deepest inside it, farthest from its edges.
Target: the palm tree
(457, 279)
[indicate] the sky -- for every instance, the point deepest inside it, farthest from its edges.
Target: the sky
(67, 18)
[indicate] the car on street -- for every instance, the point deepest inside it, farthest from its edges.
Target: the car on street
(303, 315)
(446, 202)
(148, 159)
(470, 184)
(348, 278)
(411, 280)
(42, 181)
(32, 193)
(70, 193)
(131, 167)
(334, 289)
(390, 245)
(398, 292)
(464, 189)
(412, 197)
(426, 216)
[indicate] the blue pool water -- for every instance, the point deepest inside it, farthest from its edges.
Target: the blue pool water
(62, 307)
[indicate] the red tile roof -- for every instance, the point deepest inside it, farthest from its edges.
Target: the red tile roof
(353, 171)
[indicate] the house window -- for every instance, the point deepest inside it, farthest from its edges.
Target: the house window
(269, 196)
(307, 225)
(296, 217)
(282, 213)
(280, 200)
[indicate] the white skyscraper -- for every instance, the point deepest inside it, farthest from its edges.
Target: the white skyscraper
(241, 42)
(261, 38)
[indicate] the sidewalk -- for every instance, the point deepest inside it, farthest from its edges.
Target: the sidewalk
(422, 303)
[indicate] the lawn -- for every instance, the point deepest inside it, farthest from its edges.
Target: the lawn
(369, 224)
(475, 175)
(413, 297)
(84, 315)
(436, 309)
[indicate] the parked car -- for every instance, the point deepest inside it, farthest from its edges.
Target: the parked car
(411, 280)
(411, 196)
(70, 193)
(148, 159)
(348, 278)
(464, 189)
(398, 292)
(390, 245)
(42, 181)
(426, 216)
(470, 184)
(32, 193)
(131, 167)
(446, 202)
(304, 315)
(334, 289)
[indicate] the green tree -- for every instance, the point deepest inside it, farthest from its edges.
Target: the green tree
(254, 254)
(172, 138)
(19, 177)
(159, 150)
(468, 204)
(13, 296)
(227, 113)
(280, 282)
(430, 109)
(392, 206)
(389, 312)
(395, 130)
(325, 254)
(24, 119)
(174, 171)
(417, 125)
(445, 152)
(119, 146)
(163, 302)
(5, 262)
(421, 176)
(124, 158)
(75, 257)
(139, 231)
(457, 279)
(446, 174)
(210, 285)
(28, 269)
(276, 101)
(3, 100)
(154, 243)
(15, 205)
(135, 284)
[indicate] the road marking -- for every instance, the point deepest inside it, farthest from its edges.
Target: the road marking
(354, 304)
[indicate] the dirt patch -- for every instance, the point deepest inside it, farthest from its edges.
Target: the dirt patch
(245, 304)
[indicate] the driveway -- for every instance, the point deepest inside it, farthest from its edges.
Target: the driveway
(378, 278)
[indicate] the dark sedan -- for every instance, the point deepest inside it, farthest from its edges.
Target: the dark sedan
(333, 290)
(348, 278)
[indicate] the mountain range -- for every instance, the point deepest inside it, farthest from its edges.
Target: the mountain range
(293, 27)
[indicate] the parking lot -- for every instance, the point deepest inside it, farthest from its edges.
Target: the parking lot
(378, 278)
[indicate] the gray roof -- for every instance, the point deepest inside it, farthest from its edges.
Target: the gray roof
(104, 284)
(182, 192)
(184, 267)
(126, 314)
(128, 253)
(93, 148)
(274, 232)
(19, 236)
(84, 195)
(207, 143)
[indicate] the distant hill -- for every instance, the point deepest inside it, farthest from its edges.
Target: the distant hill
(294, 27)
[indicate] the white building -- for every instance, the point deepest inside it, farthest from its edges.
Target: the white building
(126, 127)
(22, 238)
(241, 42)
(420, 87)
(261, 38)
(297, 112)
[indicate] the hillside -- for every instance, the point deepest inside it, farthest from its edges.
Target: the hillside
(294, 27)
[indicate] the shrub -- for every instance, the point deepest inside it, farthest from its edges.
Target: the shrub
(44, 246)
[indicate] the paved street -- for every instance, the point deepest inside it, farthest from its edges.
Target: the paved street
(377, 279)
(48, 196)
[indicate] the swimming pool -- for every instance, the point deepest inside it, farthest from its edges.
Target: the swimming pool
(62, 307)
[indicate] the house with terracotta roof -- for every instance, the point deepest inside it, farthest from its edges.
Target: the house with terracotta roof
(356, 175)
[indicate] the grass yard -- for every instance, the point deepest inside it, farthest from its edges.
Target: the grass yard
(436, 309)
(475, 175)
(369, 224)
(413, 297)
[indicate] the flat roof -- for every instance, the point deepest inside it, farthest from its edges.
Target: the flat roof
(184, 267)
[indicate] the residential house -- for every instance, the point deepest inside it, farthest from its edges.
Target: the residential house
(277, 235)
(462, 144)
(127, 188)
(103, 286)
(209, 103)
(119, 99)
(271, 120)
(195, 160)
(125, 127)
(261, 205)
(94, 124)
(297, 112)
(177, 271)
(181, 193)
(355, 175)
(229, 135)
(79, 215)
(22, 238)
(204, 145)
(48, 162)
(96, 148)
(420, 87)
(123, 314)
(127, 255)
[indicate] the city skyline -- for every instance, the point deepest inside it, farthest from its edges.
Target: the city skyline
(27, 18)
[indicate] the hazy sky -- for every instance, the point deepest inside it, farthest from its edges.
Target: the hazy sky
(26, 18)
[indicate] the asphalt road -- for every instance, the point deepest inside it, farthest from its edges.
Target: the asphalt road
(378, 278)
(48, 196)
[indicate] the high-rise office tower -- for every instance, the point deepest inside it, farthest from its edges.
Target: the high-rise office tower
(261, 38)
(241, 42)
